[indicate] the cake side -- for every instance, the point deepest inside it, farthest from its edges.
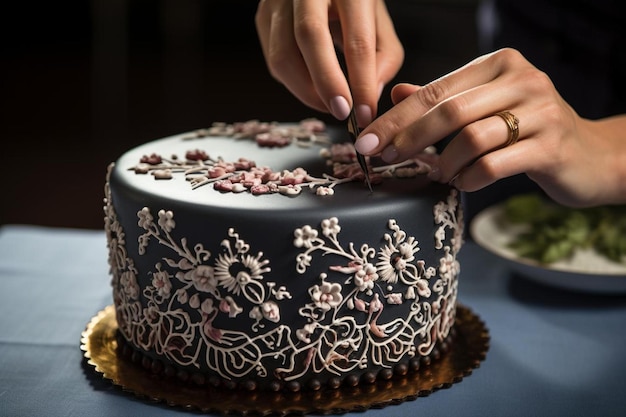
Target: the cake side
(271, 290)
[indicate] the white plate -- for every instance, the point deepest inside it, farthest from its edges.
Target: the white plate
(586, 271)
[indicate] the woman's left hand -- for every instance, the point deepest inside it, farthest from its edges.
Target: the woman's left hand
(578, 162)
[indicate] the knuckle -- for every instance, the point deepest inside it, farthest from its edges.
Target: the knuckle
(359, 46)
(432, 93)
(508, 56)
(307, 30)
(511, 54)
(539, 80)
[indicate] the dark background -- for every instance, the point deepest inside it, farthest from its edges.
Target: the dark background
(84, 81)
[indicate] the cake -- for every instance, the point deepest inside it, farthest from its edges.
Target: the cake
(253, 256)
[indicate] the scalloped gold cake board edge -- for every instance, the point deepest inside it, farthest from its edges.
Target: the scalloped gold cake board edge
(467, 350)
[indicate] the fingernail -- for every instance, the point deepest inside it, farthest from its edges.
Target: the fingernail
(363, 115)
(339, 107)
(434, 174)
(366, 143)
(389, 154)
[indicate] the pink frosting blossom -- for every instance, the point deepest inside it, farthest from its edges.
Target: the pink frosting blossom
(327, 295)
(272, 139)
(161, 281)
(196, 155)
(223, 185)
(313, 125)
(152, 159)
(297, 176)
(244, 164)
(217, 171)
(260, 189)
(250, 128)
(270, 311)
(249, 179)
(352, 170)
(203, 278)
(343, 153)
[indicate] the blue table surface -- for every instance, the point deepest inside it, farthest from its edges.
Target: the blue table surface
(552, 352)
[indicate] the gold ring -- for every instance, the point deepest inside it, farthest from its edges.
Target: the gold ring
(512, 123)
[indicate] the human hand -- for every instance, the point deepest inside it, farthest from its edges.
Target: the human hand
(577, 162)
(298, 41)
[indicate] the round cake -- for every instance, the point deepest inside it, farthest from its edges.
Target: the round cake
(253, 255)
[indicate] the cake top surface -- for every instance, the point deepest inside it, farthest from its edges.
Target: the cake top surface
(255, 165)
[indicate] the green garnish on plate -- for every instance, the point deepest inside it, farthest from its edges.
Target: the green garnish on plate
(555, 232)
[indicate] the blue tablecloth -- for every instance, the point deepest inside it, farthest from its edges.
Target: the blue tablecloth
(552, 352)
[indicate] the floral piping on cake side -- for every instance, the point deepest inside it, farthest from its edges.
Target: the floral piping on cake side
(175, 315)
(243, 175)
(336, 337)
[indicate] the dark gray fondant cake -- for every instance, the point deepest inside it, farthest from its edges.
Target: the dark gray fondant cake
(253, 255)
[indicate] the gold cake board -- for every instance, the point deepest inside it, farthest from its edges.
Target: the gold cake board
(467, 350)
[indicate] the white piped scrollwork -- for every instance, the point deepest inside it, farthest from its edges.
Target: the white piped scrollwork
(341, 326)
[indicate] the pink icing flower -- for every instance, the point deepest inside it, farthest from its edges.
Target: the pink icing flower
(260, 189)
(297, 176)
(324, 191)
(313, 125)
(267, 175)
(250, 128)
(227, 166)
(272, 139)
(249, 179)
(343, 153)
(352, 170)
(224, 185)
(270, 311)
(203, 278)
(217, 171)
(327, 295)
(365, 277)
(161, 281)
(394, 298)
(152, 159)
(196, 155)
(244, 164)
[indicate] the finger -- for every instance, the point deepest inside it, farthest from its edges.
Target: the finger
(506, 162)
(450, 98)
(314, 40)
(389, 50)
(358, 21)
(475, 141)
(283, 58)
(262, 23)
(450, 116)
(364, 47)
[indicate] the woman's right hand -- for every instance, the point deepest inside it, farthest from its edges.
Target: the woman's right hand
(298, 40)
